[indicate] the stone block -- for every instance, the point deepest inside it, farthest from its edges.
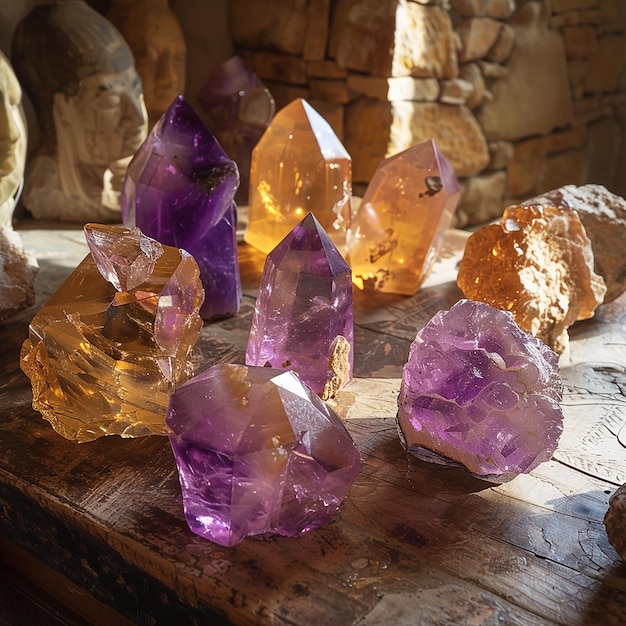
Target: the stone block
(455, 91)
(484, 197)
(283, 94)
(316, 32)
(538, 59)
(396, 126)
(273, 66)
(275, 25)
(503, 46)
(329, 90)
(525, 167)
(396, 38)
(500, 154)
(560, 6)
(562, 168)
(471, 73)
(325, 69)
(604, 139)
(478, 35)
(606, 65)
(395, 88)
(580, 41)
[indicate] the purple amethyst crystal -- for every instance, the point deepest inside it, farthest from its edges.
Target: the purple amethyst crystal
(180, 189)
(303, 316)
(241, 107)
(482, 392)
(257, 452)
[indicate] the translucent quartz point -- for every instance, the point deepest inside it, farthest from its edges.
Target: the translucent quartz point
(303, 317)
(180, 189)
(298, 166)
(103, 361)
(538, 264)
(399, 226)
(480, 391)
(241, 107)
(257, 452)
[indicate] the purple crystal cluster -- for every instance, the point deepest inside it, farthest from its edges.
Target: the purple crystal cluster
(303, 318)
(482, 392)
(257, 452)
(242, 107)
(180, 189)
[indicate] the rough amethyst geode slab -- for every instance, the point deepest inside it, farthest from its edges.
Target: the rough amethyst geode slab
(480, 391)
(180, 189)
(257, 452)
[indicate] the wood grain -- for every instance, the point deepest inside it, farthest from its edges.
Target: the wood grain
(412, 543)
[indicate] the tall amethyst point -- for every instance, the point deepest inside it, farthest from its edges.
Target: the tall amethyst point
(480, 391)
(180, 189)
(303, 317)
(241, 107)
(257, 452)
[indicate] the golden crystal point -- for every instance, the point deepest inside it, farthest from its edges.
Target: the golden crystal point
(398, 229)
(536, 263)
(298, 166)
(105, 362)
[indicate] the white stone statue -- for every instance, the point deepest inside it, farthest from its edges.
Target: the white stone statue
(13, 140)
(80, 76)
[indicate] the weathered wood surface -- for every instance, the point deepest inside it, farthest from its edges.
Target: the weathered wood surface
(413, 543)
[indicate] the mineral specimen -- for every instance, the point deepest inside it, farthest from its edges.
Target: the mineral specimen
(480, 391)
(615, 521)
(105, 352)
(603, 215)
(298, 166)
(536, 263)
(180, 189)
(242, 107)
(398, 229)
(303, 317)
(257, 452)
(18, 269)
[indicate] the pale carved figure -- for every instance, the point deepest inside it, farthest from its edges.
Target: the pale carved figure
(80, 76)
(13, 140)
(155, 37)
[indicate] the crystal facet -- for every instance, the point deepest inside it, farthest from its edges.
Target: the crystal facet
(104, 355)
(303, 317)
(242, 107)
(298, 166)
(179, 189)
(257, 452)
(480, 391)
(399, 226)
(536, 263)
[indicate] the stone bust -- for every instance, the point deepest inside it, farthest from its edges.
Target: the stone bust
(154, 35)
(80, 76)
(13, 140)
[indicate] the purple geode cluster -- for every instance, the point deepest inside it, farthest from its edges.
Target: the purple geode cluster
(257, 452)
(480, 391)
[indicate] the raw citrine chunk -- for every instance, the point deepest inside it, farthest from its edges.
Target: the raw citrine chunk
(298, 166)
(399, 226)
(106, 351)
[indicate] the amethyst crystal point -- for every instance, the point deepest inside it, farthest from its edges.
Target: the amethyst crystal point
(179, 189)
(479, 390)
(241, 107)
(257, 452)
(303, 316)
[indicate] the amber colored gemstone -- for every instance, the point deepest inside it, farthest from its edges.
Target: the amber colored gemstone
(536, 263)
(299, 166)
(103, 360)
(399, 226)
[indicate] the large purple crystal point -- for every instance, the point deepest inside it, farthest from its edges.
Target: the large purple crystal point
(480, 391)
(257, 452)
(303, 318)
(179, 189)
(242, 107)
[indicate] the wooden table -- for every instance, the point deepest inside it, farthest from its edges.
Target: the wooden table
(413, 543)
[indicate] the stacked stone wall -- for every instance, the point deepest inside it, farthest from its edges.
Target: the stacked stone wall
(522, 96)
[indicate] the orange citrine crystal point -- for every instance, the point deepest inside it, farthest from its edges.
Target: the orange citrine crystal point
(299, 166)
(398, 229)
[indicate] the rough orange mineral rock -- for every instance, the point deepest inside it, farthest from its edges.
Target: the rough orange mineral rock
(536, 263)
